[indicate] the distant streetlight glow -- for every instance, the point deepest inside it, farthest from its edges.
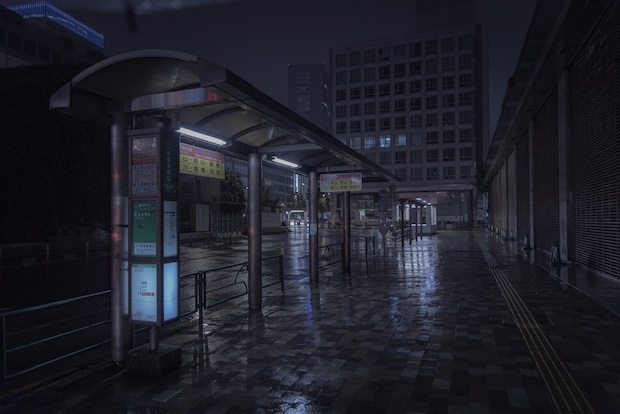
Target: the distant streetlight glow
(203, 137)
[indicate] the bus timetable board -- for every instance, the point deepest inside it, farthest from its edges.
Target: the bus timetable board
(340, 182)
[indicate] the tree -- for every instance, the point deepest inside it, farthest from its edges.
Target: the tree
(267, 201)
(233, 198)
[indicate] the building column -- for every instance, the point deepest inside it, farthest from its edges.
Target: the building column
(313, 229)
(563, 166)
(255, 285)
(119, 242)
(530, 156)
(346, 229)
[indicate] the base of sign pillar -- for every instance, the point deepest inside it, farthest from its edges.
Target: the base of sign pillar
(143, 361)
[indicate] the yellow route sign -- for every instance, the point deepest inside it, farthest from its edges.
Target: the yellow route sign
(201, 162)
(340, 182)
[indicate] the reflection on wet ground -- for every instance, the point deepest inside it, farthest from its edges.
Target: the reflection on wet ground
(440, 325)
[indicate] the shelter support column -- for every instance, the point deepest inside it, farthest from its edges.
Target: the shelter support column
(346, 228)
(119, 243)
(254, 232)
(530, 157)
(313, 229)
(563, 165)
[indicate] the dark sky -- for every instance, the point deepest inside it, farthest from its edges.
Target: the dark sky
(257, 39)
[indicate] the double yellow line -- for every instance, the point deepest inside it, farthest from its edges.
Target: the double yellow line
(566, 395)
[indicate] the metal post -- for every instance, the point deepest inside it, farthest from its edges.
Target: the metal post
(154, 338)
(254, 232)
(346, 229)
(313, 233)
(402, 223)
(118, 241)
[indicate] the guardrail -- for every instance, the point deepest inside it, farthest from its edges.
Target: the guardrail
(49, 333)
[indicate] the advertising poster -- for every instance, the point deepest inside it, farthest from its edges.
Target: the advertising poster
(201, 162)
(144, 293)
(144, 166)
(170, 229)
(144, 228)
(340, 182)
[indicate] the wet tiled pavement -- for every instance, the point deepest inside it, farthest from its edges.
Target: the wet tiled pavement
(459, 322)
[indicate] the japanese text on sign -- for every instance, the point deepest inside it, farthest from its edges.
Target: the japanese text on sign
(202, 162)
(341, 182)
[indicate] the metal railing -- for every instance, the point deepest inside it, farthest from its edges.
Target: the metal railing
(328, 252)
(45, 334)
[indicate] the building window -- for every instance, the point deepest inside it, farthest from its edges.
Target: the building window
(341, 111)
(341, 127)
(447, 82)
(370, 74)
(465, 117)
(370, 142)
(401, 140)
(464, 81)
(399, 70)
(415, 104)
(416, 138)
(431, 84)
(369, 108)
(355, 76)
(385, 141)
(415, 49)
(356, 126)
(448, 136)
(431, 66)
(464, 61)
(465, 154)
(448, 154)
(399, 88)
(432, 173)
(449, 173)
(385, 158)
(384, 54)
(431, 47)
(355, 58)
(341, 60)
(400, 122)
(341, 94)
(447, 118)
(466, 171)
(400, 157)
(416, 156)
(385, 124)
(465, 42)
(355, 109)
(415, 68)
(465, 98)
(372, 156)
(431, 102)
(369, 56)
(447, 101)
(416, 174)
(384, 107)
(465, 135)
(384, 89)
(431, 137)
(354, 93)
(447, 64)
(384, 72)
(356, 143)
(399, 51)
(369, 91)
(400, 105)
(415, 86)
(369, 125)
(431, 120)
(401, 173)
(447, 44)
(416, 121)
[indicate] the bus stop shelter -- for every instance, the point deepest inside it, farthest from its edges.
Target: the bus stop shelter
(221, 112)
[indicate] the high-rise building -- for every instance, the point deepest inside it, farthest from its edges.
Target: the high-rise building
(41, 33)
(417, 104)
(308, 93)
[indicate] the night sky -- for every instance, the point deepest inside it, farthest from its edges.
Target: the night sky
(257, 39)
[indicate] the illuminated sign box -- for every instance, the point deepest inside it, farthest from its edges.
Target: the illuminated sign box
(340, 182)
(201, 162)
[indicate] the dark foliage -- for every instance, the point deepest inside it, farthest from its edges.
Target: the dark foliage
(54, 168)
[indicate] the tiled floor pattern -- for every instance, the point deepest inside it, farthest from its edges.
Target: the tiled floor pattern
(424, 329)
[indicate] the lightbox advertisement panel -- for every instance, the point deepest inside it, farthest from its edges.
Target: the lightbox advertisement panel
(171, 291)
(144, 293)
(144, 228)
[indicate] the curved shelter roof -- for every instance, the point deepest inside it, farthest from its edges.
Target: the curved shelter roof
(210, 99)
